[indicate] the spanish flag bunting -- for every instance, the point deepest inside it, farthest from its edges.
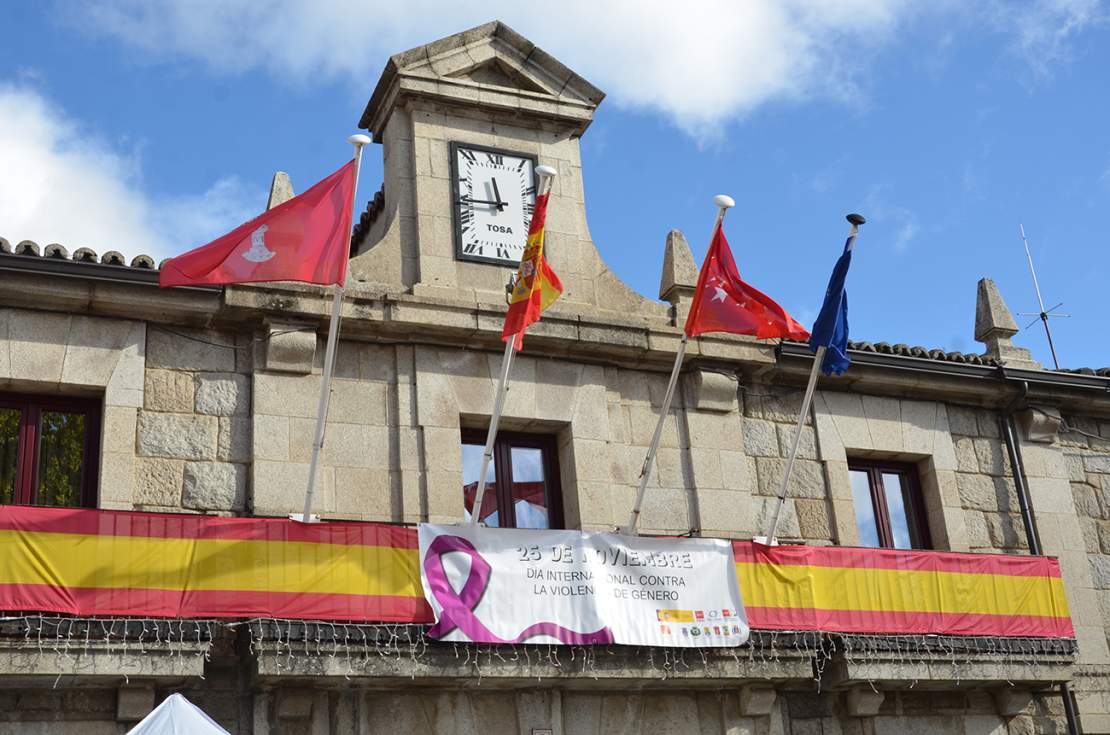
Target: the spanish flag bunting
(77, 561)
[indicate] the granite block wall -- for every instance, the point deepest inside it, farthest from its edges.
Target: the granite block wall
(192, 439)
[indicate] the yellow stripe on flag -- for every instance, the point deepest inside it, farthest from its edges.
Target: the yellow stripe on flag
(894, 590)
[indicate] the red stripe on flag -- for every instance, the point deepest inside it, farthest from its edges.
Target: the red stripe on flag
(89, 522)
(214, 603)
(896, 559)
(907, 623)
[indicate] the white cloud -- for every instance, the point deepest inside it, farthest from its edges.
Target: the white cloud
(61, 184)
(699, 63)
(892, 221)
(906, 233)
(1044, 31)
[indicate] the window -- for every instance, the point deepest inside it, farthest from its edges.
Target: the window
(889, 508)
(522, 483)
(48, 450)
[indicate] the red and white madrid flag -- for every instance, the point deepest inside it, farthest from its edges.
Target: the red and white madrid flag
(304, 239)
(725, 303)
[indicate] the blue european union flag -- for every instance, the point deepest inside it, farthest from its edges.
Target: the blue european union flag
(831, 328)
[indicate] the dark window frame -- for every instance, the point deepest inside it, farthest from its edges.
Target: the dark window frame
(31, 407)
(917, 520)
(503, 478)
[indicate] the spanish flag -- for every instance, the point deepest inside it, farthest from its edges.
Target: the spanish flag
(537, 287)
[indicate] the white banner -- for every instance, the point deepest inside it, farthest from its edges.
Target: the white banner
(492, 585)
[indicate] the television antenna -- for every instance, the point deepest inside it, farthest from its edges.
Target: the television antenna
(1044, 314)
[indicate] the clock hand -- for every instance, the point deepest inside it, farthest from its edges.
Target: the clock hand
(466, 200)
(496, 193)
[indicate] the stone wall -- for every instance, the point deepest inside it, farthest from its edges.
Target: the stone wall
(176, 403)
(360, 462)
(71, 354)
(192, 443)
(391, 447)
(770, 420)
(218, 421)
(1086, 451)
(851, 426)
(725, 711)
(91, 710)
(96, 708)
(985, 482)
(1088, 462)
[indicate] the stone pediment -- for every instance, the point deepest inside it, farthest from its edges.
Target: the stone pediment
(491, 66)
(497, 73)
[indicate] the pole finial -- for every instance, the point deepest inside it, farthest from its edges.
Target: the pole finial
(856, 219)
(724, 201)
(359, 139)
(546, 171)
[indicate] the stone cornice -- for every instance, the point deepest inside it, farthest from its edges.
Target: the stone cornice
(563, 332)
(594, 337)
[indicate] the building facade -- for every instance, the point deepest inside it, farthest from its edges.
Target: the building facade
(117, 395)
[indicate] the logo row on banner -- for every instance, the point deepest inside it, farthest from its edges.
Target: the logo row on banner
(518, 586)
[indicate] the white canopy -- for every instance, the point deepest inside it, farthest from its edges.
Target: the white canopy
(177, 716)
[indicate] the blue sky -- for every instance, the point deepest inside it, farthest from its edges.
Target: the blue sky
(155, 126)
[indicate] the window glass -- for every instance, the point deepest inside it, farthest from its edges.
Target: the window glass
(529, 491)
(471, 466)
(61, 458)
(894, 489)
(9, 452)
(522, 483)
(49, 450)
(888, 504)
(865, 509)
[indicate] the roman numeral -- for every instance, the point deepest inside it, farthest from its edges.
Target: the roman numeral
(502, 252)
(468, 155)
(465, 216)
(520, 166)
(472, 248)
(495, 158)
(529, 191)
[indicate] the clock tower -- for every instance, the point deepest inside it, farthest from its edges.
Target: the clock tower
(463, 123)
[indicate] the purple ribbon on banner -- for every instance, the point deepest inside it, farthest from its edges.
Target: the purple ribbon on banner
(458, 608)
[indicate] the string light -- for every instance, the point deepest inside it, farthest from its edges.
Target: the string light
(300, 647)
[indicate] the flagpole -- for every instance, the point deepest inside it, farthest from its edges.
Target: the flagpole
(818, 361)
(358, 141)
(723, 203)
(546, 174)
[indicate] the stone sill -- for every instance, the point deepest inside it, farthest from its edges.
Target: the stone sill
(532, 665)
(78, 661)
(399, 653)
(58, 646)
(912, 661)
(977, 671)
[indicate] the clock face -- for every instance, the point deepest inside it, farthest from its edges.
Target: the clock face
(494, 194)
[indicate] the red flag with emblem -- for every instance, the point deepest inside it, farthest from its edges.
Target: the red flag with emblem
(724, 303)
(305, 239)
